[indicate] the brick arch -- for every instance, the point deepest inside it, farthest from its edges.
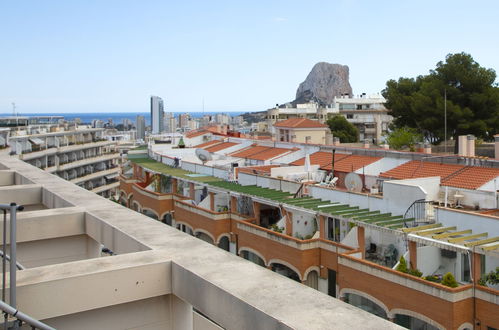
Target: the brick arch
(378, 302)
(466, 325)
(165, 213)
(220, 237)
(135, 202)
(287, 264)
(200, 230)
(150, 210)
(309, 270)
(416, 315)
(241, 249)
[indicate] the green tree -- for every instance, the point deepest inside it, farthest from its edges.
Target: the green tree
(472, 100)
(404, 137)
(342, 129)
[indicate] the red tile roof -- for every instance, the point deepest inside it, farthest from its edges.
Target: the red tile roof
(208, 144)
(419, 169)
(193, 134)
(220, 146)
(299, 123)
(320, 158)
(342, 162)
(261, 152)
(265, 169)
(459, 176)
(353, 163)
(472, 177)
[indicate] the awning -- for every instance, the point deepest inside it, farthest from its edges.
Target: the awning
(37, 141)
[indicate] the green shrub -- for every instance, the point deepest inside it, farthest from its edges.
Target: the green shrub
(482, 282)
(432, 278)
(276, 228)
(402, 266)
(449, 280)
(415, 272)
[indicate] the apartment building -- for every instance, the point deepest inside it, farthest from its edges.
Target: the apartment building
(367, 113)
(339, 238)
(79, 154)
(84, 262)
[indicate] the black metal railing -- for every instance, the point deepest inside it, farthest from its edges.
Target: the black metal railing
(420, 211)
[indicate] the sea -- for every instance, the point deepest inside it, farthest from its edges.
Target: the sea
(116, 117)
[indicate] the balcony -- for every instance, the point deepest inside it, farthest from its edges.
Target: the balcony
(214, 224)
(402, 291)
(106, 187)
(88, 161)
(301, 256)
(95, 175)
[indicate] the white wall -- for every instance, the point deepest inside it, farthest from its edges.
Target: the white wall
(428, 259)
(303, 223)
(468, 220)
(400, 194)
(492, 185)
(484, 199)
(382, 165)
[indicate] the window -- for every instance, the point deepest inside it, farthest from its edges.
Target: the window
(349, 116)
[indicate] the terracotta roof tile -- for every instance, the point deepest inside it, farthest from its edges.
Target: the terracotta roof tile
(320, 158)
(220, 146)
(265, 169)
(471, 177)
(261, 152)
(193, 134)
(342, 162)
(459, 176)
(208, 144)
(352, 163)
(418, 169)
(300, 123)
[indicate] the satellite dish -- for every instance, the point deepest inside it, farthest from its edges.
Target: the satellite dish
(353, 182)
(203, 155)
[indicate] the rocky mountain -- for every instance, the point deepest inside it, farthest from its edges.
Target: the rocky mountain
(323, 83)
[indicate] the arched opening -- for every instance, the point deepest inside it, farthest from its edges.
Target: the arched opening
(135, 206)
(184, 228)
(150, 214)
(224, 243)
(248, 255)
(285, 271)
(413, 322)
(312, 279)
(365, 304)
(204, 237)
(167, 219)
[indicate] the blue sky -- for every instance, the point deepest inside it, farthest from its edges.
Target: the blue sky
(109, 56)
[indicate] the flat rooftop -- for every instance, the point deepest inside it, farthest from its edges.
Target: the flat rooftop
(160, 277)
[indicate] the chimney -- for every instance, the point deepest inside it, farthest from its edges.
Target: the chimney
(463, 145)
(470, 145)
(336, 141)
(329, 138)
(496, 139)
(427, 148)
(366, 144)
(419, 147)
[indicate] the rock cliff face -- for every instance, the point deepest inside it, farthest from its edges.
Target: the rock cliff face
(323, 83)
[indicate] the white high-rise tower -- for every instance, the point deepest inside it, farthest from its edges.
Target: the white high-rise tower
(157, 115)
